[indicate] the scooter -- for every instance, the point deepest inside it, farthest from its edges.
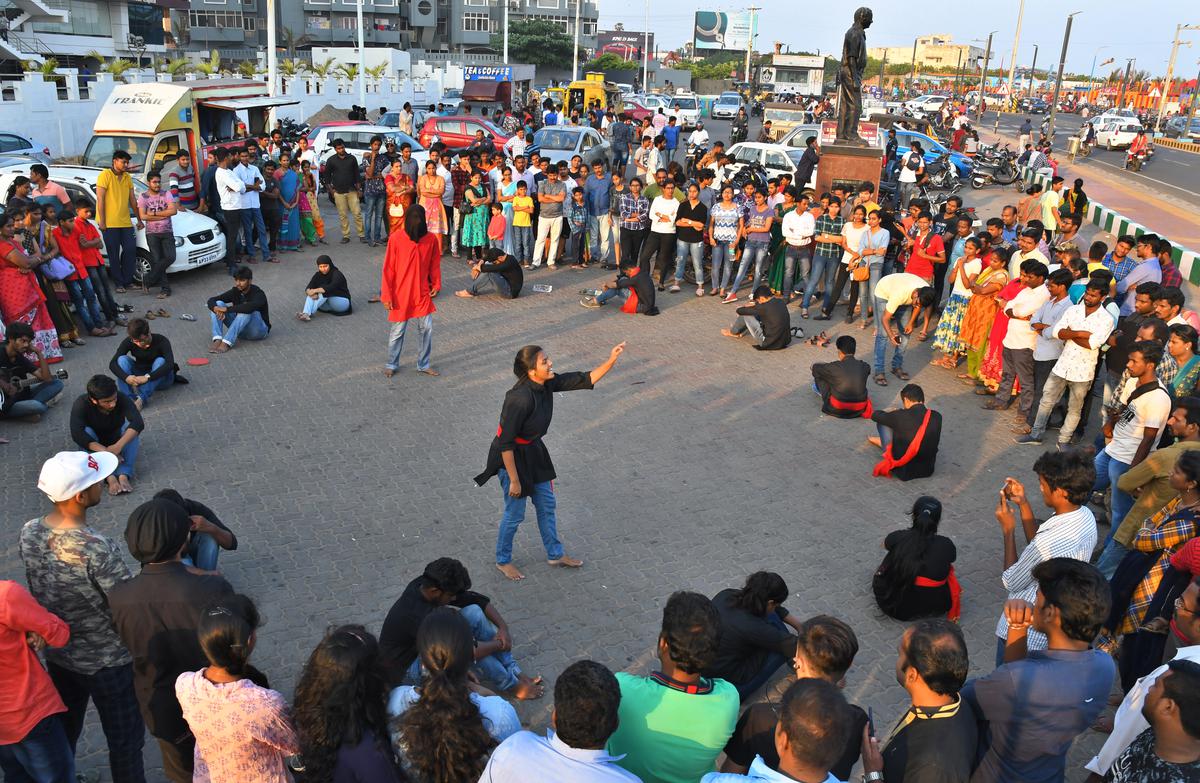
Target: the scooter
(695, 154)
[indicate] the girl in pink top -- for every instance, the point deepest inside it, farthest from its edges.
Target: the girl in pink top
(243, 728)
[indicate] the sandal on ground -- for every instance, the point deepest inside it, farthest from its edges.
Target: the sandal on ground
(162, 313)
(186, 317)
(150, 316)
(302, 316)
(901, 374)
(881, 379)
(429, 371)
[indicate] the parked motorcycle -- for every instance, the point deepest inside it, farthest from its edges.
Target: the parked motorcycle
(942, 174)
(293, 130)
(751, 172)
(993, 167)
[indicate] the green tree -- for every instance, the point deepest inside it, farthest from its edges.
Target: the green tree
(210, 66)
(177, 67)
(322, 69)
(248, 68)
(706, 69)
(610, 62)
(538, 42)
(349, 71)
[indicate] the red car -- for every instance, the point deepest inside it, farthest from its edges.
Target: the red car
(636, 111)
(458, 132)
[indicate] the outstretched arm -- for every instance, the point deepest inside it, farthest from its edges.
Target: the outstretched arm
(603, 369)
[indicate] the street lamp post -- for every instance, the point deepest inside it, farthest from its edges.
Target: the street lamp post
(506, 4)
(1128, 70)
(912, 70)
(957, 73)
(1092, 73)
(271, 54)
(1062, 61)
(987, 55)
(575, 49)
(1032, 69)
(1012, 68)
(1162, 102)
(1187, 128)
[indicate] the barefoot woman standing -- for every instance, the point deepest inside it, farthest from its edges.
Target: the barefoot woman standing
(520, 458)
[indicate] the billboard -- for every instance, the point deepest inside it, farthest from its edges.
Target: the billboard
(623, 43)
(721, 30)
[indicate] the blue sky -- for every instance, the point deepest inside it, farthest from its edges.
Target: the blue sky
(1143, 30)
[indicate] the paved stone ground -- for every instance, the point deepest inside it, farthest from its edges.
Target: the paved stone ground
(695, 462)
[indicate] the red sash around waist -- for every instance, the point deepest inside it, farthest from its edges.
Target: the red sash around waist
(955, 591)
(888, 463)
(520, 441)
(863, 409)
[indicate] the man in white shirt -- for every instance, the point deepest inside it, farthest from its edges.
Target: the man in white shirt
(586, 701)
(1047, 348)
(799, 227)
(253, 226)
(698, 137)
(912, 166)
(230, 189)
(1129, 721)
(1133, 425)
(1083, 329)
(1065, 479)
(1027, 250)
(645, 160)
(516, 145)
(1020, 340)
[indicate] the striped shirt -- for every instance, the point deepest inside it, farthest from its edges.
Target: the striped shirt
(182, 184)
(1063, 535)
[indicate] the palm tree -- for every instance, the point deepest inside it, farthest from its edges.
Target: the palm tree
(323, 68)
(45, 68)
(177, 67)
(118, 67)
(291, 41)
(349, 71)
(376, 72)
(210, 66)
(290, 69)
(248, 68)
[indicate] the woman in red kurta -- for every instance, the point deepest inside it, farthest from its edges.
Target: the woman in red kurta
(412, 276)
(21, 298)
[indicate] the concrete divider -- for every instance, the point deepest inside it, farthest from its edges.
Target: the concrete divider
(1177, 144)
(1186, 261)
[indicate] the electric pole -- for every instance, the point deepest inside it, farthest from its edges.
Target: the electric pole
(506, 4)
(575, 49)
(1032, 70)
(1162, 101)
(912, 70)
(271, 48)
(750, 46)
(1012, 70)
(362, 61)
(987, 55)
(1062, 61)
(1128, 70)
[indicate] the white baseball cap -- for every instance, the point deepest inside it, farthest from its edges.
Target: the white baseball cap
(68, 473)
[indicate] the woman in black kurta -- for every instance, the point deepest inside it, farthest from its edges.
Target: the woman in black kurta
(915, 578)
(521, 459)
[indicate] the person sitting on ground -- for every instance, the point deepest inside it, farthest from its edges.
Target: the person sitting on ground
(446, 582)
(340, 711)
(633, 285)
(843, 384)
(825, 650)
(208, 534)
(104, 419)
(916, 578)
(935, 739)
(674, 723)
(143, 363)
(586, 703)
(243, 729)
(327, 291)
(908, 436)
(241, 311)
(755, 640)
(1072, 681)
(767, 320)
(27, 390)
(814, 723)
(498, 270)
(445, 728)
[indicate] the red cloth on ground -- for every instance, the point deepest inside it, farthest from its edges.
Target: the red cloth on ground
(28, 695)
(411, 270)
(955, 591)
(885, 466)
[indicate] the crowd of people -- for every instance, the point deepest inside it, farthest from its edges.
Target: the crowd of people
(1028, 317)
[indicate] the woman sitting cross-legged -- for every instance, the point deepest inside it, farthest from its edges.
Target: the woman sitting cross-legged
(327, 291)
(916, 578)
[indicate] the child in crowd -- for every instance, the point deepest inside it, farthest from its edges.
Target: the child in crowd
(497, 227)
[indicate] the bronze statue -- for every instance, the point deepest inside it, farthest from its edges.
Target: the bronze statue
(850, 76)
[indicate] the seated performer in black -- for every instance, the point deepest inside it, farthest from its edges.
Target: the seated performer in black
(520, 458)
(843, 384)
(909, 437)
(767, 321)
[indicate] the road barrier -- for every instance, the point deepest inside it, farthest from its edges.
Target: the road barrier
(1178, 144)
(1186, 261)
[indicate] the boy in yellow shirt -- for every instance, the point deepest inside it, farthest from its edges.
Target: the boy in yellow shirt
(522, 226)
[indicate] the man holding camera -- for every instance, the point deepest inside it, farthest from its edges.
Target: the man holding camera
(26, 389)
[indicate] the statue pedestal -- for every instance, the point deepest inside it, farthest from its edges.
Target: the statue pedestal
(849, 166)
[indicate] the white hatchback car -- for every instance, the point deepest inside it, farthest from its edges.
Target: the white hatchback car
(775, 158)
(1117, 135)
(198, 238)
(688, 110)
(358, 140)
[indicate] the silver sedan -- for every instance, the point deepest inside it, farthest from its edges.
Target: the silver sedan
(561, 143)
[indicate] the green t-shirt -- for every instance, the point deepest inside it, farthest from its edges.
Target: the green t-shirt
(668, 735)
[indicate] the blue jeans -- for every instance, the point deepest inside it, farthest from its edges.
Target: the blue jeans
(41, 756)
(498, 667)
(327, 304)
(770, 664)
(544, 504)
(235, 325)
(797, 264)
(396, 342)
(620, 155)
(612, 293)
(101, 284)
(756, 252)
(1111, 557)
(885, 435)
(722, 264)
(882, 340)
(36, 405)
(600, 237)
(86, 305)
(522, 243)
(202, 552)
(147, 389)
(128, 454)
(488, 280)
(121, 244)
(822, 267)
(373, 217)
(695, 250)
(1108, 471)
(252, 220)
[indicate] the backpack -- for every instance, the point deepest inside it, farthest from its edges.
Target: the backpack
(912, 161)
